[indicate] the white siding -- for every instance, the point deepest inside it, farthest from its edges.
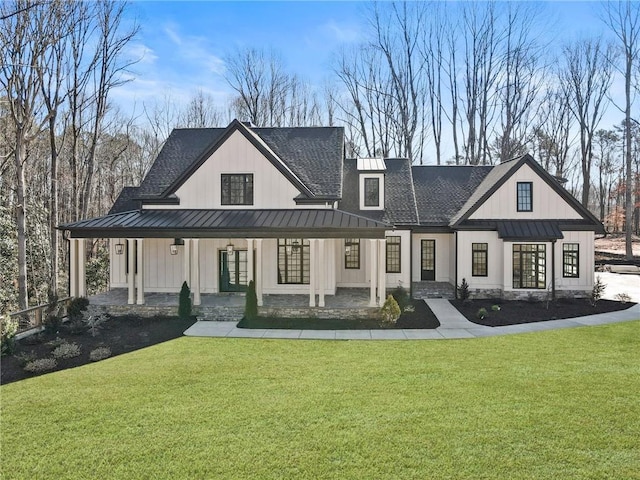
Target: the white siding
(547, 204)
(585, 265)
(237, 155)
(163, 272)
(349, 277)
(444, 255)
(495, 260)
(403, 278)
(117, 264)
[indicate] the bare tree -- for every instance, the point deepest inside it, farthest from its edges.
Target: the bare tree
(200, 112)
(586, 79)
(623, 18)
(605, 142)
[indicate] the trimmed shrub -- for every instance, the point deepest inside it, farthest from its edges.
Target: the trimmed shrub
(99, 353)
(495, 308)
(52, 318)
(622, 297)
(8, 330)
(390, 311)
(184, 305)
(41, 365)
(482, 313)
(76, 307)
(463, 290)
(251, 303)
(66, 350)
(402, 296)
(597, 291)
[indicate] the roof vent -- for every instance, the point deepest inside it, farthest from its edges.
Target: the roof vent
(371, 165)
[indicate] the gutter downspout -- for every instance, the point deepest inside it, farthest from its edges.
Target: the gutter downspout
(411, 264)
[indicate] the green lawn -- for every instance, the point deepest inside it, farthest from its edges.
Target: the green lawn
(560, 405)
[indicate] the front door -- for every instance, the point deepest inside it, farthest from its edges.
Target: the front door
(428, 260)
(233, 271)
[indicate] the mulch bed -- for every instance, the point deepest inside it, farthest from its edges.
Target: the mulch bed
(515, 312)
(121, 334)
(422, 317)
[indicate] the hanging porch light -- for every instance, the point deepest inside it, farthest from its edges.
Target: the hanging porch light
(173, 248)
(119, 247)
(229, 249)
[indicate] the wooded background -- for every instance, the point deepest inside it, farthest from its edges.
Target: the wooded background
(477, 79)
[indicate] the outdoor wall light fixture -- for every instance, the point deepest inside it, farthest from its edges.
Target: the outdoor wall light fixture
(119, 248)
(229, 249)
(173, 248)
(347, 247)
(293, 248)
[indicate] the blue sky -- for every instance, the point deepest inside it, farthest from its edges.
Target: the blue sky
(182, 45)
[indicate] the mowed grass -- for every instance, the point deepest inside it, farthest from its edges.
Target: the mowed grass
(561, 405)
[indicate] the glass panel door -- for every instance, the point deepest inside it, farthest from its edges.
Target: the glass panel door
(233, 271)
(428, 259)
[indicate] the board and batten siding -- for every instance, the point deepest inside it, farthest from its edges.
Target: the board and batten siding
(444, 254)
(495, 259)
(547, 204)
(271, 189)
(586, 258)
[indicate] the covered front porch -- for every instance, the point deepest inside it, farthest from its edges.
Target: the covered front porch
(346, 303)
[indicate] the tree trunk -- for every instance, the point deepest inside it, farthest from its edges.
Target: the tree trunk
(19, 156)
(53, 214)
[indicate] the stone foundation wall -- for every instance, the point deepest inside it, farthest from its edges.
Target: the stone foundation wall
(476, 294)
(309, 312)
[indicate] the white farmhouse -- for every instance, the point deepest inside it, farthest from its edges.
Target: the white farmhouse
(285, 208)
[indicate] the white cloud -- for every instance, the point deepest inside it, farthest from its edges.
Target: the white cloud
(194, 50)
(341, 33)
(142, 54)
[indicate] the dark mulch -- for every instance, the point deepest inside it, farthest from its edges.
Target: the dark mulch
(121, 334)
(421, 317)
(516, 312)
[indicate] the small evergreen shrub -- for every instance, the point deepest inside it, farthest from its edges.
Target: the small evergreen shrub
(94, 322)
(402, 296)
(8, 330)
(76, 307)
(251, 302)
(52, 318)
(66, 350)
(463, 290)
(495, 308)
(184, 305)
(41, 365)
(99, 353)
(597, 291)
(390, 311)
(482, 313)
(24, 358)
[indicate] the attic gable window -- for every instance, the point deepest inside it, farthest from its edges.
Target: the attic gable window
(525, 196)
(237, 189)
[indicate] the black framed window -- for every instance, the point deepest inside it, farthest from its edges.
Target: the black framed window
(237, 189)
(479, 259)
(352, 253)
(393, 256)
(293, 261)
(570, 260)
(529, 266)
(371, 192)
(525, 196)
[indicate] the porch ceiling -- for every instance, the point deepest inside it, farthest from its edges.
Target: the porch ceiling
(313, 223)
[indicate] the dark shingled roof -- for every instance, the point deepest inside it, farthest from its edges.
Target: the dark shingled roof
(399, 199)
(313, 154)
(442, 190)
(321, 223)
(126, 201)
(179, 151)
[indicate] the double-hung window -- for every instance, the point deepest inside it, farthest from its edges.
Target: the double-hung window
(393, 254)
(352, 253)
(525, 196)
(371, 192)
(237, 189)
(479, 259)
(570, 260)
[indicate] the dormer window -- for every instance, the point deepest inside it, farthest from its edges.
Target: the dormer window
(371, 188)
(525, 196)
(237, 189)
(371, 192)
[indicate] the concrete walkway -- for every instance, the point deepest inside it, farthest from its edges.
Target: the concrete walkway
(452, 325)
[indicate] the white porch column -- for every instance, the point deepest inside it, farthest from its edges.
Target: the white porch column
(312, 273)
(321, 272)
(382, 271)
(249, 260)
(195, 272)
(82, 258)
(73, 268)
(140, 272)
(259, 271)
(373, 263)
(131, 276)
(187, 261)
